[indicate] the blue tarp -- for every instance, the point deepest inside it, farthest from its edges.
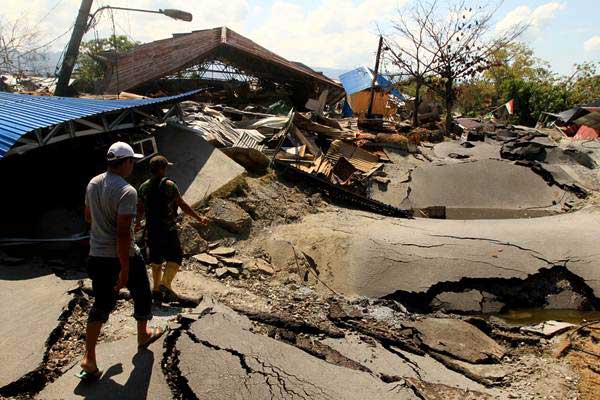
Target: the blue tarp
(361, 78)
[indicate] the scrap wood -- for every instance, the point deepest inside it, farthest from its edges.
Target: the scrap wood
(306, 141)
(306, 124)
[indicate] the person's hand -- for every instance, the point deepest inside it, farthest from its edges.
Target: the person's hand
(122, 281)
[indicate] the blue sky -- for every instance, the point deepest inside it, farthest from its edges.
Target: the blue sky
(339, 34)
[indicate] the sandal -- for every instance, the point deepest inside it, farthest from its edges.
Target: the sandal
(89, 376)
(157, 332)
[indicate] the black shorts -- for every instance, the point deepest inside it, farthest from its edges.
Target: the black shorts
(104, 273)
(163, 245)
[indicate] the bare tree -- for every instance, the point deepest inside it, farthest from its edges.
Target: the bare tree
(409, 50)
(19, 46)
(456, 40)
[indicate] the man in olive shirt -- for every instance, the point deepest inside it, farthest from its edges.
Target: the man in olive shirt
(159, 199)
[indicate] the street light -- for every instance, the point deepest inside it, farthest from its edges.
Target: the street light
(169, 12)
(82, 24)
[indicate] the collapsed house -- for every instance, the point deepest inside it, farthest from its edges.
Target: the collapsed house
(218, 58)
(580, 123)
(358, 84)
(51, 146)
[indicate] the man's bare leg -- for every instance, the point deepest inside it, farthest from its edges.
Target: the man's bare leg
(92, 333)
(144, 334)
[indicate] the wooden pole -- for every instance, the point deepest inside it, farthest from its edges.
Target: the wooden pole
(370, 112)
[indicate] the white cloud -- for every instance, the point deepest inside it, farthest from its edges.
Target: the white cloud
(537, 19)
(592, 45)
(335, 34)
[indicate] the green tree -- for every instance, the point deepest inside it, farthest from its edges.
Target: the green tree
(584, 84)
(91, 69)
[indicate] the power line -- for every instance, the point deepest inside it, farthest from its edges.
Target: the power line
(50, 12)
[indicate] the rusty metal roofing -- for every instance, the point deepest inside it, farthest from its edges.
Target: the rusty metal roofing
(361, 159)
(164, 57)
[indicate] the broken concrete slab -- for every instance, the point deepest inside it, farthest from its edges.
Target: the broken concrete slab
(566, 300)
(206, 259)
(200, 169)
(365, 254)
(468, 188)
(229, 216)
(478, 150)
(397, 362)
(232, 262)
(31, 301)
(457, 339)
(256, 366)
(259, 265)
(467, 301)
(128, 374)
(548, 328)
(222, 252)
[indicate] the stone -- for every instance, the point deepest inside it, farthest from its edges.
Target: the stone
(222, 252)
(227, 271)
(548, 328)
(191, 241)
(565, 300)
(491, 304)
(467, 301)
(457, 339)
(260, 265)
(232, 262)
(230, 216)
(206, 259)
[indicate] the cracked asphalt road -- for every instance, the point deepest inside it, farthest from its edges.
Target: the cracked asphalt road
(345, 244)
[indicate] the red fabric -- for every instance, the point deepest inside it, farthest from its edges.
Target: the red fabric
(510, 106)
(585, 133)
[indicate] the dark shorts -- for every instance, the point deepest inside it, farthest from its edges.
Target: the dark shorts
(164, 245)
(104, 273)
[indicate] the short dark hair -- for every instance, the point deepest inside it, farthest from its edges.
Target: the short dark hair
(118, 162)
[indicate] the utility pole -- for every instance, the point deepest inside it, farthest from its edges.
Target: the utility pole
(73, 49)
(370, 112)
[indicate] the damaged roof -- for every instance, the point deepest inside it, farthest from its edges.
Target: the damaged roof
(21, 114)
(161, 58)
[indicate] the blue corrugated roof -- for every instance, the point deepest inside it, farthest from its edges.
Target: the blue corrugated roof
(361, 78)
(21, 113)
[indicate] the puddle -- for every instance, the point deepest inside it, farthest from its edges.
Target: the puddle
(533, 316)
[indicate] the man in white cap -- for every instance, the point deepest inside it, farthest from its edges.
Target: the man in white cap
(115, 261)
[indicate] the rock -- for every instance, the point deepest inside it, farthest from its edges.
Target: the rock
(467, 301)
(222, 252)
(227, 271)
(491, 304)
(548, 328)
(191, 241)
(206, 259)
(457, 339)
(229, 216)
(232, 262)
(260, 265)
(565, 300)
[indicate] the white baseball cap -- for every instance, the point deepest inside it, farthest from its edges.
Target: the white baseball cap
(120, 150)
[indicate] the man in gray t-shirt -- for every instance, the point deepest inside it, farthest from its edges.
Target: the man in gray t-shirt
(114, 262)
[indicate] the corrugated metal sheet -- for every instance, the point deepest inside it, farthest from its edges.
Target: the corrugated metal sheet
(157, 59)
(361, 159)
(21, 114)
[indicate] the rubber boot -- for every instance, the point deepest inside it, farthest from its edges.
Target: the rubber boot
(170, 271)
(156, 281)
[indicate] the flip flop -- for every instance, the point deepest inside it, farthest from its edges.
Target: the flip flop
(89, 376)
(157, 332)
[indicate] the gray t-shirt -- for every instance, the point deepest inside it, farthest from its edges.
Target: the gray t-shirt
(107, 196)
